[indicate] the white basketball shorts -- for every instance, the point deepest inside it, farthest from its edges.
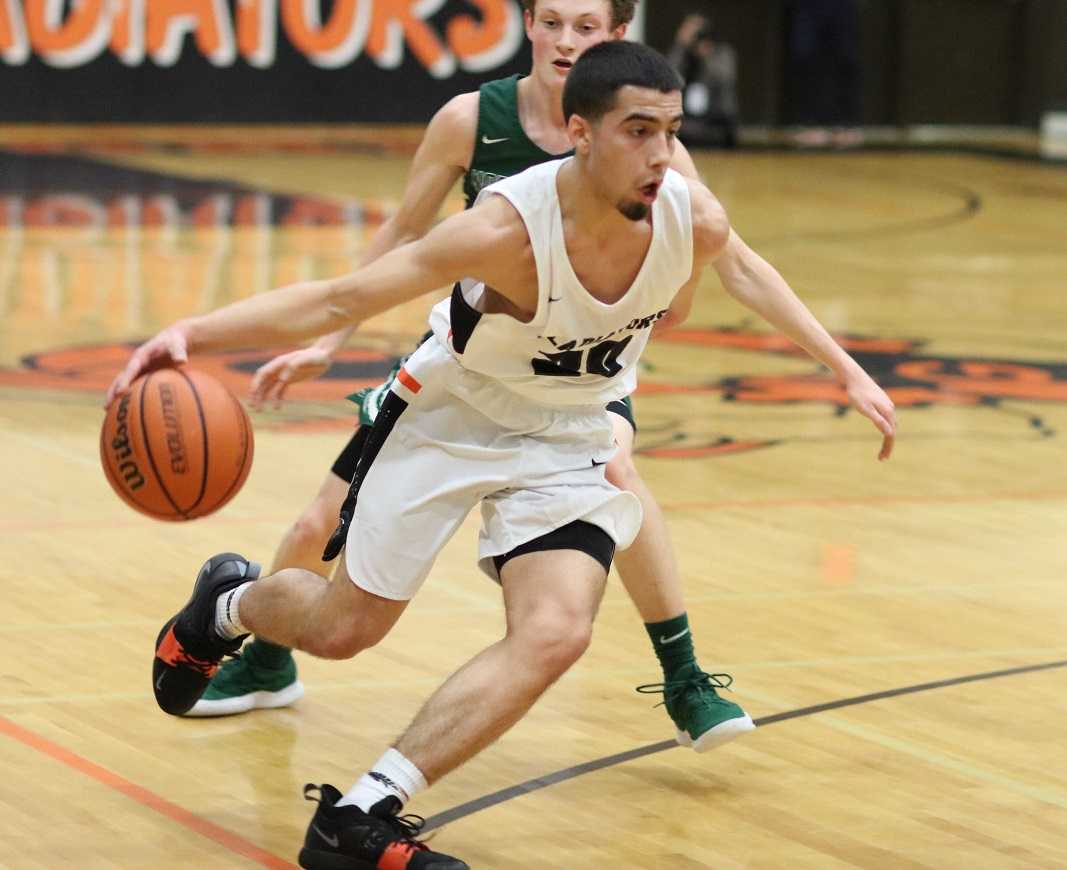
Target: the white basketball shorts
(464, 439)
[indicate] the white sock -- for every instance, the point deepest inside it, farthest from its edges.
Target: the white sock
(227, 613)
(392, 775)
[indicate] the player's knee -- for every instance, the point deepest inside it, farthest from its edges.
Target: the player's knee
(553, 641)
(313, 528)
(622, 472)
(342, 639)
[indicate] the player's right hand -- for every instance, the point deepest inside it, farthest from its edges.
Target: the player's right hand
(167, 348)
(272, 379)
(874, 403)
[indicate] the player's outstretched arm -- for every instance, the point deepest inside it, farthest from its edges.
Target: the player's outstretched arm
(484, 242)
(442, 157)
(756, 284)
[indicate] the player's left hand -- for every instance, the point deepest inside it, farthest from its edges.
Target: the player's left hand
(165, 349)
(872, 402)
(272, 379)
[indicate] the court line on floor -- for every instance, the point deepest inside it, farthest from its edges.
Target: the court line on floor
(969, 207)
(538, 783)
(144, 797)
(246, 849)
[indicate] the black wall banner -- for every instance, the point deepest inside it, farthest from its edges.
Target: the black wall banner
(250, 60)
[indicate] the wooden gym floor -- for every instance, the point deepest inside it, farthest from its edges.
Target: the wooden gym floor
(899, 629)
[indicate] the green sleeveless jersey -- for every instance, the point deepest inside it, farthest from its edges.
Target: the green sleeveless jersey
(501, 146)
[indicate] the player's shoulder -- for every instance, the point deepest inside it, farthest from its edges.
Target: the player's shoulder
(449, 137)
(711, 226)
(452, 129)
(492, 220)
(458, 116)
(499, 217)
(490, 237)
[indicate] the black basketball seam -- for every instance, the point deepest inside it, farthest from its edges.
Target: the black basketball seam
(203, 432)
(148, 449)
(246, 425)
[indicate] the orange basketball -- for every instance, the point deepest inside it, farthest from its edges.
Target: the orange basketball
(177, 446)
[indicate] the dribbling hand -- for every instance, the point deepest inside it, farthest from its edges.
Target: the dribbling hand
(167, 348)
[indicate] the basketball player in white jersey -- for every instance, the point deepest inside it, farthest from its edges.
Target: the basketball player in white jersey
(563, 271)
(505, 127)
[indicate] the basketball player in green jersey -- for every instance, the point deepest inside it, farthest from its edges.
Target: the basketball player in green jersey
(505, 127)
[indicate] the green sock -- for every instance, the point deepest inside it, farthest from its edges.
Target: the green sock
(673, 643)
(267, 654)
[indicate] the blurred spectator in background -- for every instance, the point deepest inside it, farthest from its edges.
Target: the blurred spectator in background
(708, 66)
(824, 72)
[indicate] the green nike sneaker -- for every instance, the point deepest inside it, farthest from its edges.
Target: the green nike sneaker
(703, 719)
(242, 684)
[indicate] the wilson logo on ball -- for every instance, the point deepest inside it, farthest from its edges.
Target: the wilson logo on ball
(120, 444)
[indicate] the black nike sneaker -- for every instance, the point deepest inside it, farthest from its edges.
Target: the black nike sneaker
(188, 649)
(346, 838)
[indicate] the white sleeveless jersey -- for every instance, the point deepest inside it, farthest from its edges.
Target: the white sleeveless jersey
(576, 350)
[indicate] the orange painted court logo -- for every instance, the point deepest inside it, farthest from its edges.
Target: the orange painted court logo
(912, 378)
(91, 369)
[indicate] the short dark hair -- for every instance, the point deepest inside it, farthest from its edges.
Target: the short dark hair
(605, 68)
(622, 11)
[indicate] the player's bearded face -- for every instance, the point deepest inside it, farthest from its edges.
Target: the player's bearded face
(632, 146)
(560, 30)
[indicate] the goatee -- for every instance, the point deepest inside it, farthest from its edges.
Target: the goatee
(633, 211)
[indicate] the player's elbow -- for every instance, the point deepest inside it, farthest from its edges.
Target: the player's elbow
(678, 313)
(344, 303)
(403, 230)
(741, 276)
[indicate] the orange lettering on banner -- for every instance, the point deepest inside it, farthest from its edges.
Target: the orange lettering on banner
(127, 31)
(170, 20)
(257, 26)
(486, 44)
(14, 47)
(71, 42)
(334, 43)
(395, 21)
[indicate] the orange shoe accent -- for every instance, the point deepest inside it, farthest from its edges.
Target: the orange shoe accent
(408, 381)
(397, 856)
(171, 652)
